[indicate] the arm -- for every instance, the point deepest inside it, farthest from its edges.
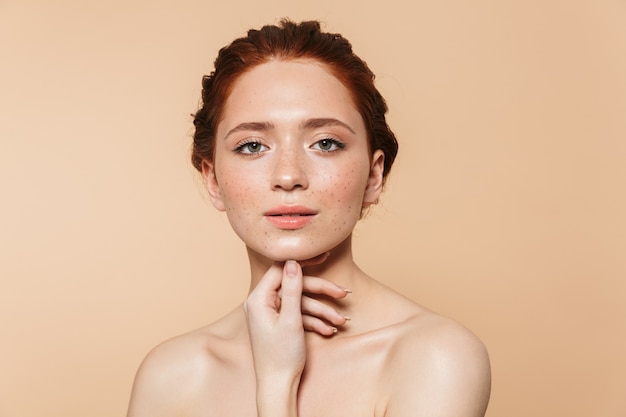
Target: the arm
(278, 314)
(277, 338)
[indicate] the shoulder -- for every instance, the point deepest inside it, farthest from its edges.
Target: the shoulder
(169, 375)
(174, 373)
(432, 334)
(440, 368)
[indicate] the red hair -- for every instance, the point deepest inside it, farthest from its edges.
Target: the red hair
(286, 41)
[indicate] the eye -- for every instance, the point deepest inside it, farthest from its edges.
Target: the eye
(250, 148)
(328, 145)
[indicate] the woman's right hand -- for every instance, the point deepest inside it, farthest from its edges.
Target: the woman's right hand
(272, 305)
(278, 311)
(275, 324)
(319, 316)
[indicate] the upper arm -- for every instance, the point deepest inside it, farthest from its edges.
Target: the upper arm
(444, 374)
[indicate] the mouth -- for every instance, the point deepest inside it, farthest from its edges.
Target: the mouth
(290, 211)
(290, 217)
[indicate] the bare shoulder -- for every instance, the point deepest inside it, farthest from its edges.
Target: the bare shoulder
(440, 367)
(434, 335)
(175, 372)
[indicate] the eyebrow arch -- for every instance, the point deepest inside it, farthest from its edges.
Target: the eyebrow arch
(255, 126)
(323, 122)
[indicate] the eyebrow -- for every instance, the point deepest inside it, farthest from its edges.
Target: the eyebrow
(315, 123)
(323, 122)
(255, 126)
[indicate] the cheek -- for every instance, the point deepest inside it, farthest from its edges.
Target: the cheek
(239, 203)
(237, 193)
(345, 188)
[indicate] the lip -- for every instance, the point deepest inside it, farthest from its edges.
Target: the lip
(290, 217)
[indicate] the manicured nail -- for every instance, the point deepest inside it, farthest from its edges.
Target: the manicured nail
(348, 318)
(347, 290)
(334, 330)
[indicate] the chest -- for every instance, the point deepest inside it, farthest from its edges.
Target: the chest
(338, 382)
(342, 386)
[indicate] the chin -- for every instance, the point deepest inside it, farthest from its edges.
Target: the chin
(298, 255)
(300, 252)
(296, 248)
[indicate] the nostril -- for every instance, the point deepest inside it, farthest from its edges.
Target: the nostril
(289, 171)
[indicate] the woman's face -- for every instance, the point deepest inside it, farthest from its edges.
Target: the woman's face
(292, 167)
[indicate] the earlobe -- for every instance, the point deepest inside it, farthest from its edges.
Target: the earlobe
(375, 180)
(213, 187)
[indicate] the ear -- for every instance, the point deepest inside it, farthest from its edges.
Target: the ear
(215, 192)
(375, 180)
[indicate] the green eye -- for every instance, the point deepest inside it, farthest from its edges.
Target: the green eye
(326, 144)
(329, 145)
(250, 148)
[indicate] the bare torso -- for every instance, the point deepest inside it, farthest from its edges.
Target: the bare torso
(357, 372)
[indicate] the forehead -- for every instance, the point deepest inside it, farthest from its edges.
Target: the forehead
(293, 90)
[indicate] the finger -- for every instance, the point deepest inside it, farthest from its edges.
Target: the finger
(291, 289)
(314, 324)
(315, 285)
(265, 294)
(271, 281)
(321, 286)
(315, 308)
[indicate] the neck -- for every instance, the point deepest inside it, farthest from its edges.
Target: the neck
(339, 267)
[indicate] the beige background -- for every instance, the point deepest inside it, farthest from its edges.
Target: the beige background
(505, 209)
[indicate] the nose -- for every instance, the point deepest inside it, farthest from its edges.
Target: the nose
(289, 172)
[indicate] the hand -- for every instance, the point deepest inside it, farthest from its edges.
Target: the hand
(318, 316)
(275, 322)
(277, 313)
(273, 313)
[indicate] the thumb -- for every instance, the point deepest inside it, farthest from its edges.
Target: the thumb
(291, 290)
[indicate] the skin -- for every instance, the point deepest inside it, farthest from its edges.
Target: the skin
(291, 135)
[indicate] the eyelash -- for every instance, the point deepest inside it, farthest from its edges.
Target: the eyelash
(242, 146)
(335, 144)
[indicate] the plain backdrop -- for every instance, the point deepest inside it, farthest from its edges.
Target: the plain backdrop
(506, 209)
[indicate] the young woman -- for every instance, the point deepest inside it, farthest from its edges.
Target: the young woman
(293, 145)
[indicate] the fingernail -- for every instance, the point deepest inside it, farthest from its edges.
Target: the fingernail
(347, 290)
(348, 318)
(291, 268)
(335, 330)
